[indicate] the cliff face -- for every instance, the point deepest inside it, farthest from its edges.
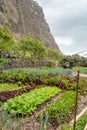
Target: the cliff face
(26, 16)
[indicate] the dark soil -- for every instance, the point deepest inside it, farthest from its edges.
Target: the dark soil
(4, 96)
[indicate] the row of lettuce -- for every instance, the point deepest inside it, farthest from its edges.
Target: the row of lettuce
(27, 103)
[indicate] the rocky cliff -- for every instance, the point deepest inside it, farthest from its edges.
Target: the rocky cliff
(26, 16)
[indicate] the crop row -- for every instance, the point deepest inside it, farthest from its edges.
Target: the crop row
(48, 70)
(39, 79)
(43, 70)
(10, 87)
(59, 111)
(27, 103)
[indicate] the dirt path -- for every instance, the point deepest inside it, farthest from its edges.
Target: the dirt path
(81, 75)
(79, 115)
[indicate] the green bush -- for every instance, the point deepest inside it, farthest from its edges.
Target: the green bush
(52, 63)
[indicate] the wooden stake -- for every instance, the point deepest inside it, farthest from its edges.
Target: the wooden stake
(74, 125)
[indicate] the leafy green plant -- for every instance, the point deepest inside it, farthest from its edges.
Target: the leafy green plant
(60, 110)
(27, 103)
(67, 127)
(44, 75)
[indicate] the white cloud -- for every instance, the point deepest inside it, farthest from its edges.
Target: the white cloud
(63, 41)
(68, 23)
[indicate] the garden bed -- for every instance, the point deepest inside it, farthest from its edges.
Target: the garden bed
(60, 110)
(27, 103)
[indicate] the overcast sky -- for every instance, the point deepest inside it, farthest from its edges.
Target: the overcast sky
(67, 20)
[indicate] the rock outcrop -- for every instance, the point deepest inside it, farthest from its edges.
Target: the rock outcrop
(26, 17)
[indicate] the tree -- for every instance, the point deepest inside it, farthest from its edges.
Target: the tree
(67, 62)
(73, 61)
(6, 39)
(77, 60)
(38, 50)
(35, 48)
(54, 54)
(53, 57)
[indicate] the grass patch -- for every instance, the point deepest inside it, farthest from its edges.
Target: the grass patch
(10, 87)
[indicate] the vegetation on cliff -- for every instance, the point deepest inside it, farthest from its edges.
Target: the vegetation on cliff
(26, 48)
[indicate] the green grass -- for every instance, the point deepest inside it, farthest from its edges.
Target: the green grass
(27, 103)
(10, 87)
(3, 60)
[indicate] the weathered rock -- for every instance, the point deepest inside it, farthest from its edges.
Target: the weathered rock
(26, 16)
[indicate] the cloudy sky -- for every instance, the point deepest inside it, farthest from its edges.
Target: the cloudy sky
(67, 20)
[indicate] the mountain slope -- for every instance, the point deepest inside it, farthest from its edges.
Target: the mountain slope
(26, 16)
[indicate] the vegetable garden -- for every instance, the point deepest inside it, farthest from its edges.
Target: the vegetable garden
(48, 92)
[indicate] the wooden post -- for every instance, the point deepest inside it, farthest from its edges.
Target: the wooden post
(74, 125)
